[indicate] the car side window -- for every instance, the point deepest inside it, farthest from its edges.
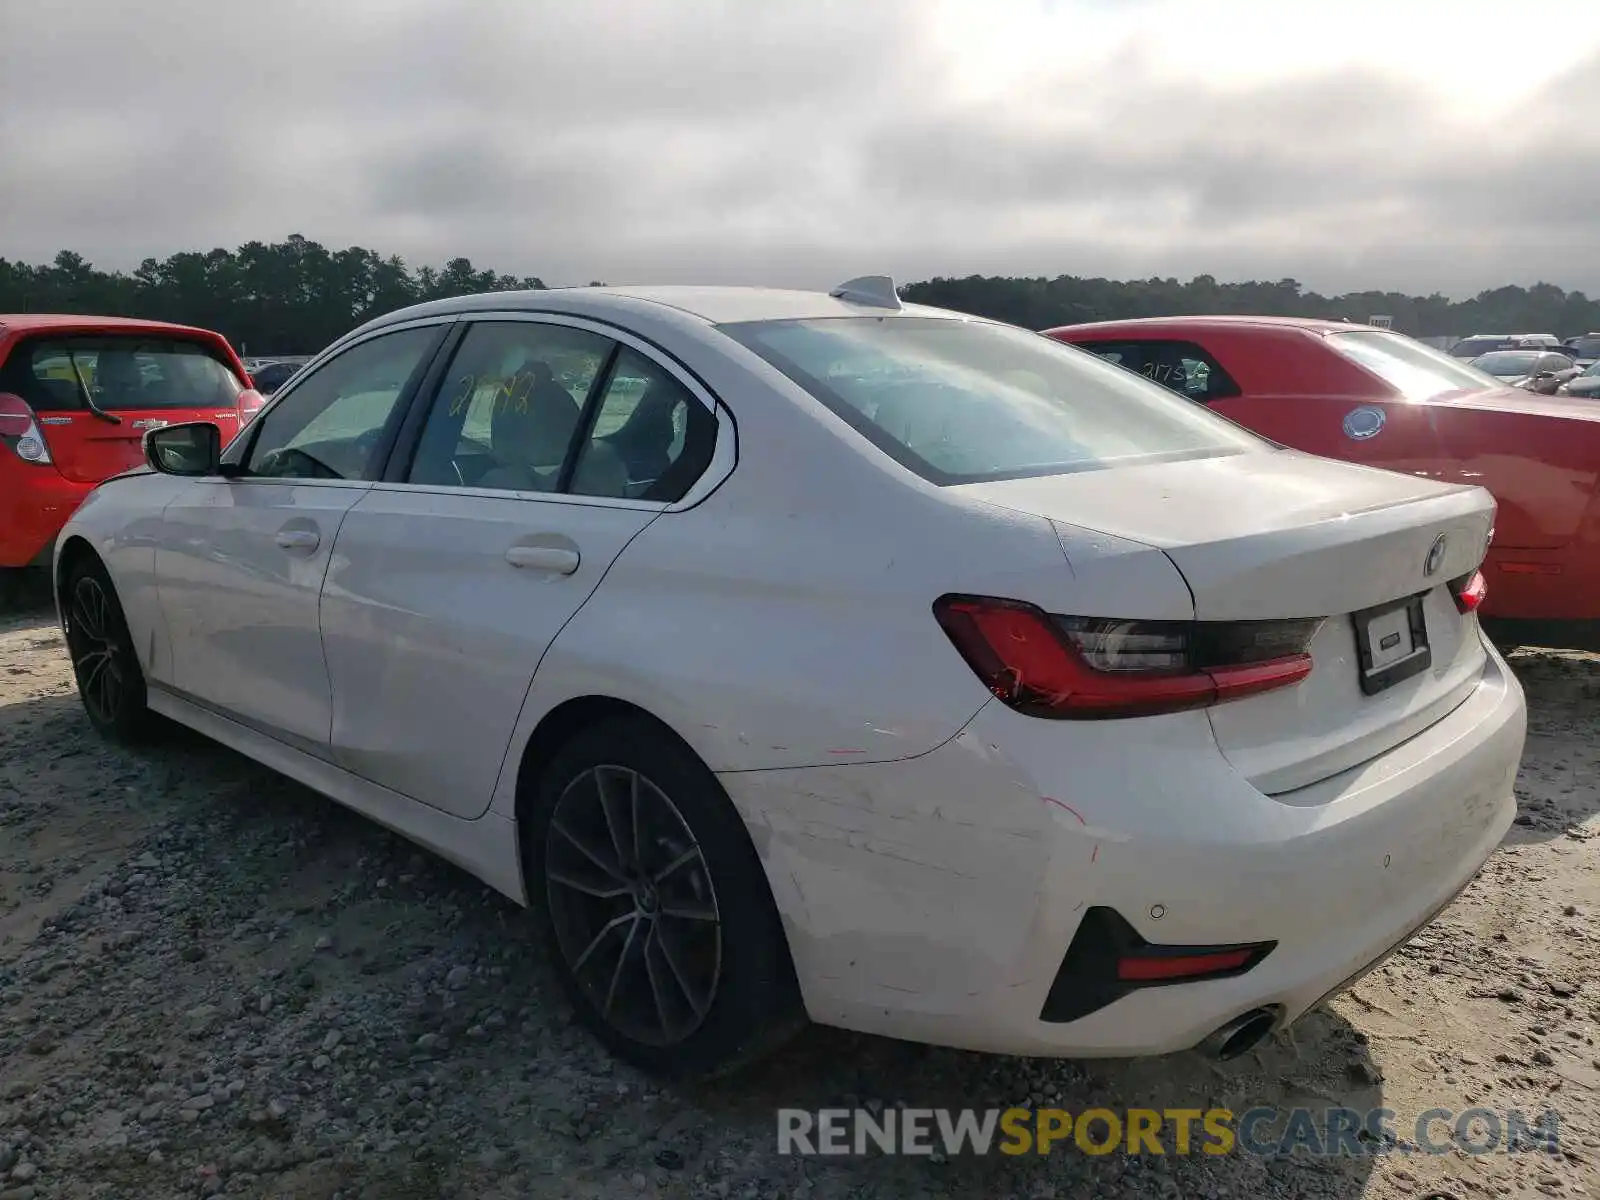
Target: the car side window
(651, 437)
(1180, 366)
(331, 424)
(509, 408)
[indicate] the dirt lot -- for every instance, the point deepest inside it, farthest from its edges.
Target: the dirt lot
(211, 980)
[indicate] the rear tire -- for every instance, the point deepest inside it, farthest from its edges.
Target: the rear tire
(110, 681)
(655, 906)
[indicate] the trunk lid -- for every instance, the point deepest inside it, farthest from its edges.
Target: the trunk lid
(1283, 534)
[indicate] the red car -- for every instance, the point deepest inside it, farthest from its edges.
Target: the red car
(1368, 395)
(76, 396)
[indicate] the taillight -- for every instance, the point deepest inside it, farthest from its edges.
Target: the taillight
(250, 403)
(19, 432)
(1093, 667)
(1469, 591)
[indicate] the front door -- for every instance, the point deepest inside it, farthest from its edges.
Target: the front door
(547, 449)
(240, 560)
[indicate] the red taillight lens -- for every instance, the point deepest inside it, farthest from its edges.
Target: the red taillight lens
(19, 432)
(250, 403)
(1469, 591)
(1090, 667)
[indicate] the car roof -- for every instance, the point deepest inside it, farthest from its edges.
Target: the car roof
(35, 322)
(709, 304)
(1219, 320)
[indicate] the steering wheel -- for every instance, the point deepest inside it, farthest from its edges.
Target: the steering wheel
(294, 463)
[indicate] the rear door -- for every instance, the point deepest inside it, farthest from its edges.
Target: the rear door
(96, 394)
(551, 444)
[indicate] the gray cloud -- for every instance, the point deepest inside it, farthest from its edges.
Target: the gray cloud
(786, 142)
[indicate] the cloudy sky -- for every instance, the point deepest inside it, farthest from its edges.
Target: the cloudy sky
(1413, 144)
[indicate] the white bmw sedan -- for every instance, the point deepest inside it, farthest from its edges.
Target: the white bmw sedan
(801, 656)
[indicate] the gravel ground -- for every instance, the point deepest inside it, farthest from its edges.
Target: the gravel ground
(214, 981)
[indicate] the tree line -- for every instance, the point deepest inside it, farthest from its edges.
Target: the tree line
(296, 296)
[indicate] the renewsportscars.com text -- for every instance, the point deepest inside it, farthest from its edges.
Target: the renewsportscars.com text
(1169, 1131)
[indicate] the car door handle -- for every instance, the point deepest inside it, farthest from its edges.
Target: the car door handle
(298, 539)
(544, 558)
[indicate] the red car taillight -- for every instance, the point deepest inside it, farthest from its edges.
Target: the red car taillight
(1469, 591)
(19, 432)
(250, 403)
(1093, 667)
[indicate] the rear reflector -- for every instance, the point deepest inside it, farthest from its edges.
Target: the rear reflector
(1530, 568)
(1469, 591)
(19, 432)
(1089, 668)
(1172, 968)
(1108, 960)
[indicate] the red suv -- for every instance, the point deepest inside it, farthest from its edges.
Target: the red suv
(76, 396)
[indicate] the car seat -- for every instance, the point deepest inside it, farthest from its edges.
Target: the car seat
(644, 441)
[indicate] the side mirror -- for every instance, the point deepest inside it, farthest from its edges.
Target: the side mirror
(1545, 375)
(192, 448)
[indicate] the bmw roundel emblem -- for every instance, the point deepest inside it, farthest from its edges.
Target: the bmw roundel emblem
(1435, 559)
(1363, 423)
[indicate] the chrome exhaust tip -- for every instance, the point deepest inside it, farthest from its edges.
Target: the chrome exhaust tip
(1240, 1035)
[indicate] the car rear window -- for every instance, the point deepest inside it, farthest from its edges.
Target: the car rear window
(1474, 346)
(1509, 362)
(961, 401)
(1415, 370)
(121, 372)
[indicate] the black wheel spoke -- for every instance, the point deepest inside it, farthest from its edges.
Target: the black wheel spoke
(605, 931)
(622, 962)
(690, 912)
(692, 854)
(608, 782)
(679, 975)
(658, 993)
(610, 868)
(624, 874)
(598, 891)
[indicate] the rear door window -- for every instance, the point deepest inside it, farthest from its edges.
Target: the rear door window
(1180, 366)
(121, 373)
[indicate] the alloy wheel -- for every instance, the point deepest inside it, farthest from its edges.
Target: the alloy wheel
(96, 649)
(633, 906)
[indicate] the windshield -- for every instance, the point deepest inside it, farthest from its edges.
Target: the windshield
(1508, 363)
(1592, 372)
(1415, 370)
(964, 401)
(124, 372)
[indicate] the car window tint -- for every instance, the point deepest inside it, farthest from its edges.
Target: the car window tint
(960, 401)
(1180, 366)
(330, 425)
(651, 437)
(509, 408)
(122, 373)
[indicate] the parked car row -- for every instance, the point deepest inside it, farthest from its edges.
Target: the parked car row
(1540, 371)
(821, 657)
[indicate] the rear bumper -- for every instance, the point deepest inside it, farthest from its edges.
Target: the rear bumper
(935, 899)
(35, 502)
